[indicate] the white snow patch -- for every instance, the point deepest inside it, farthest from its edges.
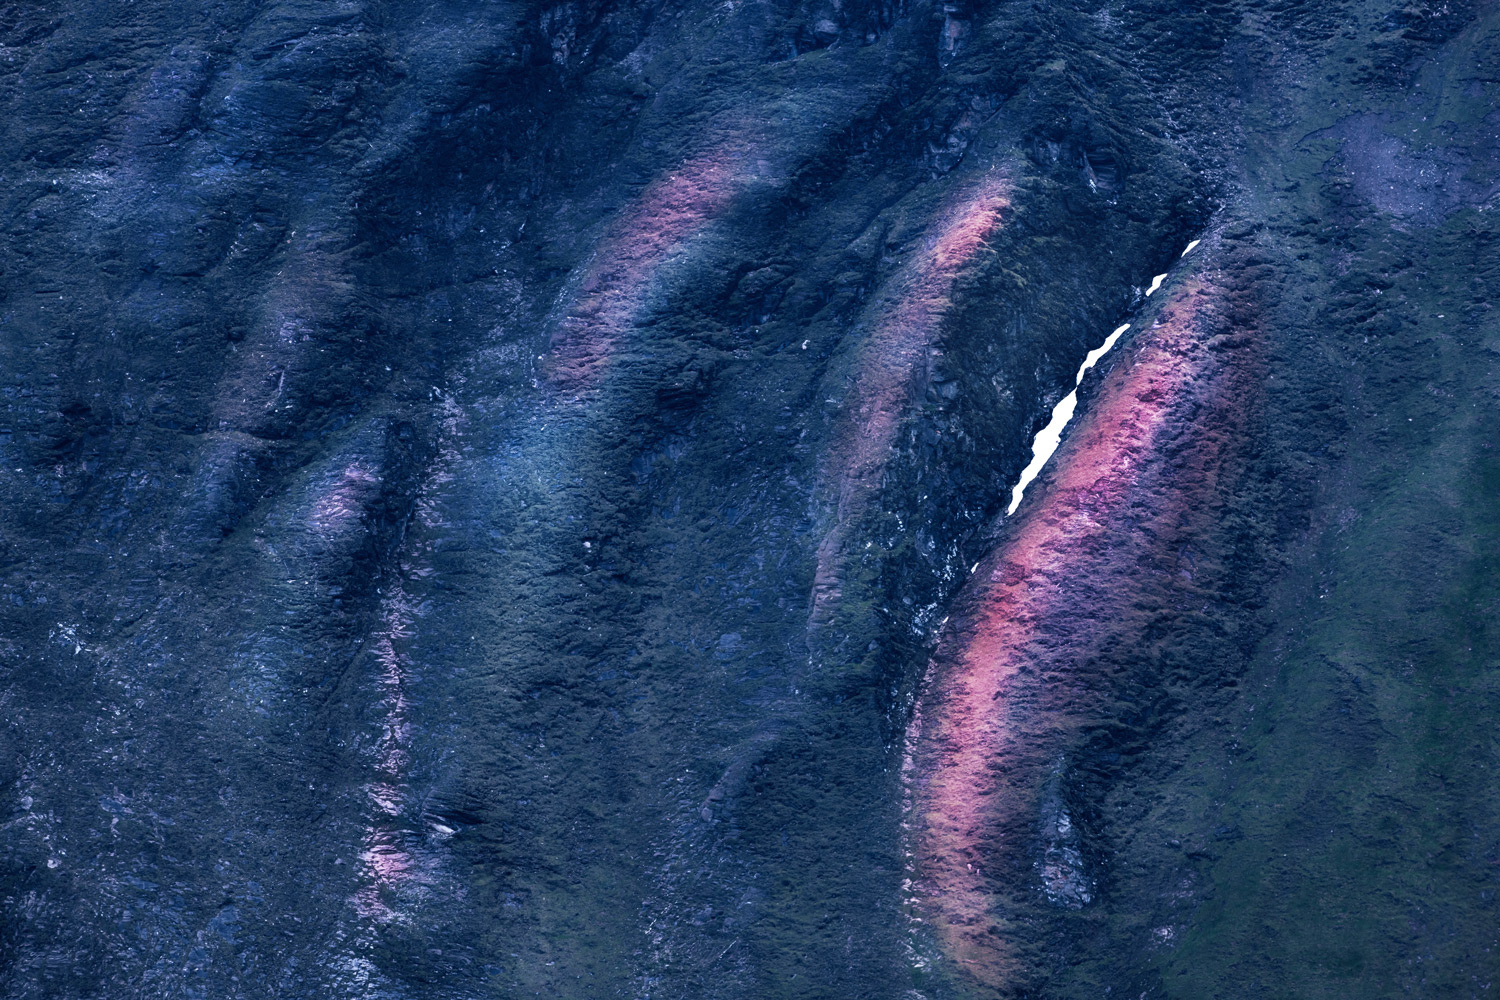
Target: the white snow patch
(1190, 247)
(1047, 440)
(1049, 437)
(1100, 351)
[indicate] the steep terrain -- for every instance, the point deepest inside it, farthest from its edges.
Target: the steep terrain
(508, 499)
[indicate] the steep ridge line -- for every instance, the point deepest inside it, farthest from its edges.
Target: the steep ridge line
(1007, 692)
(617, 283)
(908, 328)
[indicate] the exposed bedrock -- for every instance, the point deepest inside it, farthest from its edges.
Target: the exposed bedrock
(507, 499)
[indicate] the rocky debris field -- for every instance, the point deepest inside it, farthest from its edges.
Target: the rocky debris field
(505, 499)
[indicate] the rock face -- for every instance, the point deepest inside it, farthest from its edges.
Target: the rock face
(508, 499)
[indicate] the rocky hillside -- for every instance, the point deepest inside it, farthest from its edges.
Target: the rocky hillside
(507, 499)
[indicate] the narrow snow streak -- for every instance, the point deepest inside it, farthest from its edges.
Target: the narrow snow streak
(1049, 437)
(1190, 248)
(1100, 351)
